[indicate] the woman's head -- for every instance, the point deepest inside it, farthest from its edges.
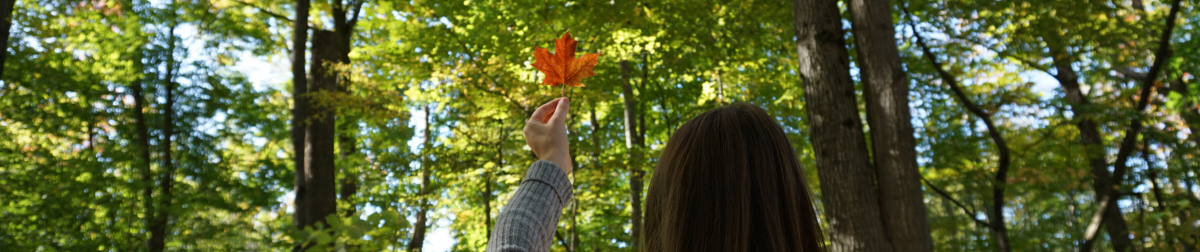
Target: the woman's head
(729, 180)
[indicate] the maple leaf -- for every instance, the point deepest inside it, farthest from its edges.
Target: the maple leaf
(562, 67)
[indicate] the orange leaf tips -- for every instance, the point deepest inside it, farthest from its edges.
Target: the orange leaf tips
(561, 67)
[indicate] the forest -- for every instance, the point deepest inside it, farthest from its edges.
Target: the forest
(386, 125)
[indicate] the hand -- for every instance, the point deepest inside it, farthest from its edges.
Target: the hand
(546, 133)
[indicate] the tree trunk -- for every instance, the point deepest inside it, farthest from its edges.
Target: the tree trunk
(666, 110)
(158, 229)
(487, 204)
(637, 185)
(299, 114)
(595, 138)
(574, 236)
(349, 187)
(321, 185)
(595, 159)
(6, 21)
(641, 107)
(488, 180)
(320, 133)
(905, 220)
(633, 141)
(143, 133)
(487, 191)
(1089, 134)
(143, 141)
(847, 177)
(418, 235)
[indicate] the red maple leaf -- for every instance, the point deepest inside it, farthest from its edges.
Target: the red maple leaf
(562, 67)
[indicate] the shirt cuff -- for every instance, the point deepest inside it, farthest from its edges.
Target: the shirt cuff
(549, 173)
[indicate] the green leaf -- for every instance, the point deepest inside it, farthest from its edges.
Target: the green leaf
(354, 232)
(390, 216)
(374, 218)
(322, 238)
(334, 221)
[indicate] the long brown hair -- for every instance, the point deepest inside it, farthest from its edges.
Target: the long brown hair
(729, 180)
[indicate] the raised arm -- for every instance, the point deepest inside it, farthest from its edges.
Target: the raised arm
(528, 221)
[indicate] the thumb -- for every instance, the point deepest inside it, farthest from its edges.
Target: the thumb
(543, 113)
(560, 113)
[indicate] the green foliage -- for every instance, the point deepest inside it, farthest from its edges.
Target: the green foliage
(378, 232)
(70, 169)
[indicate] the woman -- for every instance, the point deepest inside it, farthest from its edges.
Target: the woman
(728, 180)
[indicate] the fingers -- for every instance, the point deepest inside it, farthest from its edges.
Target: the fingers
(560, 113)
(544, 112)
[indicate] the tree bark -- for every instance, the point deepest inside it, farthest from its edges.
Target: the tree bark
(158, 229)
(596, 148)
(906, 221)
(487, 185)
(6, 21)
(320, 133)
(143, 141)
(595, 159)
(488, 180)
(574, 236)
(847, 177)
(487, 204)
(320, 185)
(633, 141)
(299, 114)
(418, 235)
(641, 107)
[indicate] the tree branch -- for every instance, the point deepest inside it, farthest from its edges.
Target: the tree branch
(1153, 175)
(1175, 85)
(1135, 126)
(470, 55)
(1005, 158)
(1046, 134)
(968, 212)
(357, 10)
(263, 10)
(562, 241)
(1025, 62)
(1031, 64)
(1160, 57)
(1129, 72)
